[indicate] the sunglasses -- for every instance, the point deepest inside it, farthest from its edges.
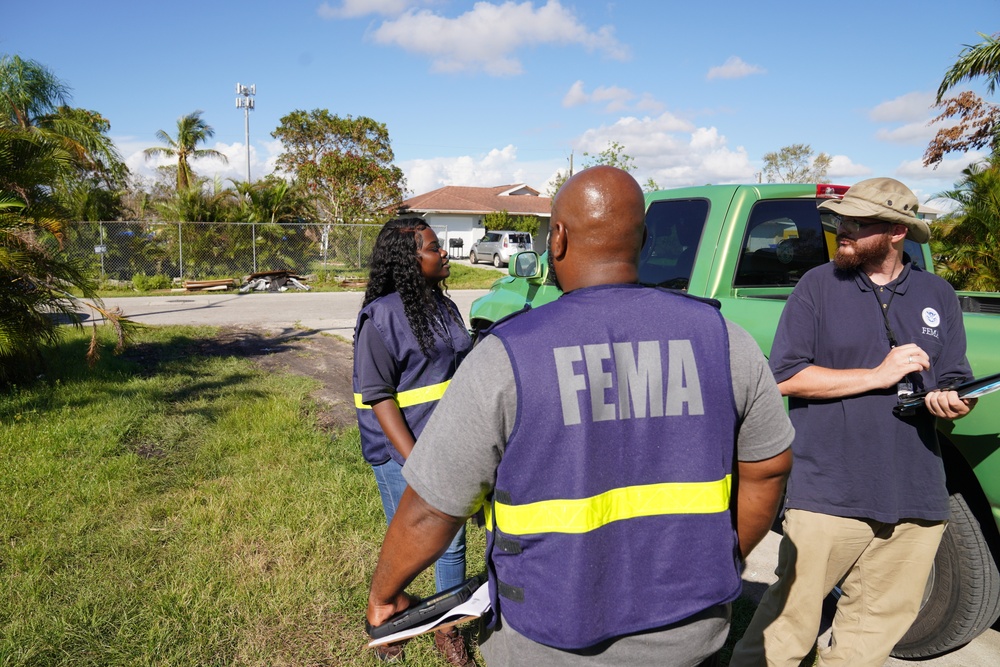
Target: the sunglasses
(852, 225)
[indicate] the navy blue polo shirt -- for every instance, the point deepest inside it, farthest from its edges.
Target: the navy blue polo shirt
(852, 456)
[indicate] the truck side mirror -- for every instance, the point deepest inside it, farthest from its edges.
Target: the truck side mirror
(524, 265)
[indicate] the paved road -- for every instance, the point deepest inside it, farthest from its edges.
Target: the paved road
(330, 312)
(335, 313)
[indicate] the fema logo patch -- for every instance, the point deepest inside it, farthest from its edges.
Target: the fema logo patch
(930, 317)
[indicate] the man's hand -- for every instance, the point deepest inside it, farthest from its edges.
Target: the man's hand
(417, 537)
(900, 362)
(948, 405)
(380, 612)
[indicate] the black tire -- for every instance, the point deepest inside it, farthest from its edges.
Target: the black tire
(472, 257)
(963, 594)
(496, 261)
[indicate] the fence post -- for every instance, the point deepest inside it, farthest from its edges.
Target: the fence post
(326, 244)
(359, 248)
(253, 244)
(180, 251)
(100, 241)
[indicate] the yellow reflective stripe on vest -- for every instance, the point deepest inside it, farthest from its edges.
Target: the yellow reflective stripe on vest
(405, 399)
(585, 514)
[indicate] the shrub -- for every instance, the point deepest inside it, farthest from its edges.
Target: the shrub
(144, 283)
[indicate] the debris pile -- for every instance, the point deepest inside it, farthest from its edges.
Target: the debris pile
(208, 285)
(273, 281)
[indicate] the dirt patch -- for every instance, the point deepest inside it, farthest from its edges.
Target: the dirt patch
(323, 357)
(326, 358)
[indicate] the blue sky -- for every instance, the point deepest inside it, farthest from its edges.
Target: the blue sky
(491, 93)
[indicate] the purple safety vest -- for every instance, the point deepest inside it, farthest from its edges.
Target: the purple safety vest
(610, 514)
(422, 379)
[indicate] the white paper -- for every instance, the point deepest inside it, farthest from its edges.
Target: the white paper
(475, 606)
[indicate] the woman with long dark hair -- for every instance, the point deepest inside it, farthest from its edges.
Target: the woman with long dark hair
(408, 341)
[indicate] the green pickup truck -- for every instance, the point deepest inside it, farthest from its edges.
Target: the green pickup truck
(747, 246)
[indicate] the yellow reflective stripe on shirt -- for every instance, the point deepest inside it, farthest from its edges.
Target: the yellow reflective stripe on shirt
(582, 515)
(405, 399)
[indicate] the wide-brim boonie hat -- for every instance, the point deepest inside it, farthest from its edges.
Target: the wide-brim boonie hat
(884, 199)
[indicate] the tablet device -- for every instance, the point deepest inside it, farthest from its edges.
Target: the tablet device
(909, 404)
(427, 609)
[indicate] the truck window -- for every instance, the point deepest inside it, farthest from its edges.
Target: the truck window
(916, 253)
(673, 230)
(784, 239)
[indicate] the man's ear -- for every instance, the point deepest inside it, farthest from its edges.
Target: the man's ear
(557, 241)
(899, 229)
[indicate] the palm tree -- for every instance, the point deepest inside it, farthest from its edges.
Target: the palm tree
(973, 123)
(271, 199)
(191, 131)
(34, 100)
(45, 147)
(981, 59)
(965, 251)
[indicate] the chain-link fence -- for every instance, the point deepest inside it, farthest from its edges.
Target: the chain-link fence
(202, 250)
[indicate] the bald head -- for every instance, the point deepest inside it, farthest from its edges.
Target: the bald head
(597, 229)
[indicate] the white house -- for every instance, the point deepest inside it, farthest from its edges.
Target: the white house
(456, 212)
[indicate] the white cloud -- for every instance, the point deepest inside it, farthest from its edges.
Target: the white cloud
(649, 104)
(842, 169)
(349, 9)
(908, 119)
(487, 36)
(908, 108)
(613, 98)
(734, 68)
(911, 133)
(261, 163)
(672, 151)
(947, 173)
(497, 167)
(575, 96)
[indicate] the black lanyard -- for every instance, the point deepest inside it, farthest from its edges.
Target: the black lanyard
(884, 309)
(906, 385)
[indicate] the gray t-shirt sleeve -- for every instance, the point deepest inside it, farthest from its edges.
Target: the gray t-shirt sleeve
(765, 429)
(453, 465)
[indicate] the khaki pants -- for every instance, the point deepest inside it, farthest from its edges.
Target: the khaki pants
(886, 566)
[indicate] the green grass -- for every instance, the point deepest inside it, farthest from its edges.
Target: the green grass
(472, 277)
(171, 508)
(176, 509)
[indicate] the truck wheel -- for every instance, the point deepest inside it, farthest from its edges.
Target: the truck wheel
(963, 593)
(496, 261)
(472, 257)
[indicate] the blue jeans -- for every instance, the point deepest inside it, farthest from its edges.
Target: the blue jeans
(449, 570)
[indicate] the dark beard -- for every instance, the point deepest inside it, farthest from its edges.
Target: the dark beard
(874, 253)
(551, 277)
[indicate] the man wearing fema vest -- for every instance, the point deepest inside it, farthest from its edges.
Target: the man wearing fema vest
(628, 445)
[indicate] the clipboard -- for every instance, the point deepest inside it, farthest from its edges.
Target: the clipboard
(974, 388)
(436, 611)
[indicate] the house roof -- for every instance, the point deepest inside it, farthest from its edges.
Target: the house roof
(515, 199)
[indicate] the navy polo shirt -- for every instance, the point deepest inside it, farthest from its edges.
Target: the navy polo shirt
(852, 456)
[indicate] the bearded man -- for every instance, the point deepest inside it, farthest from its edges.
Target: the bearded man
(866, 502)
